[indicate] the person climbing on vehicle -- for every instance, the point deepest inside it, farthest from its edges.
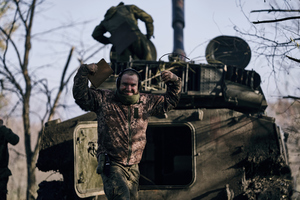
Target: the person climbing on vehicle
(121, 22)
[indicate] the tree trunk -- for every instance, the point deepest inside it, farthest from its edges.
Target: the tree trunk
(31, 180)
(29, 155)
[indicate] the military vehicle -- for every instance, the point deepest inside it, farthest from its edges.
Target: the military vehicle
(216, 144)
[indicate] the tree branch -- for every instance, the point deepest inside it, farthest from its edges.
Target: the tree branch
(274, 10)
(8, 38)
(20, 13)
(290, 97)
(62, 85)
(276, 20)
(294, 59)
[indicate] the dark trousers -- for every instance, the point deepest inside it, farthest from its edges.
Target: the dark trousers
(122, 182)
(3, 188)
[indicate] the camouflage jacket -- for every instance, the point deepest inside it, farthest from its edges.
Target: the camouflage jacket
(6, 136)
(122, 128)
(116, 16)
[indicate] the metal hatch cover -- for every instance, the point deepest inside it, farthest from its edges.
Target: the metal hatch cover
(228, 50)
(86, 181)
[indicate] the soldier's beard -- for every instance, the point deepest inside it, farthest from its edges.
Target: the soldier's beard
(126, 99)
(128, 93)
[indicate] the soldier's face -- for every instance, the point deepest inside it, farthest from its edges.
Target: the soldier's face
(129, 84)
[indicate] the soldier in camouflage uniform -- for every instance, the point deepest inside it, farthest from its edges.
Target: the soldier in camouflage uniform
(6, 136)
(126, 37)
(122, 122)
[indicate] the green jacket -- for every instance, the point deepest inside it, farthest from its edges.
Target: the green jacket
(116, 16)
(6, 136)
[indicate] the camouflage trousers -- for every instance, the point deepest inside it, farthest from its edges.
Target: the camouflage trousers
(122, 182)
(3, 188)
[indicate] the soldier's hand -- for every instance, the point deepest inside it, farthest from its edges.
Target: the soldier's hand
(167, 76)
(92, 68)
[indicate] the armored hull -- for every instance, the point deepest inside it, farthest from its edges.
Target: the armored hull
(216, 144)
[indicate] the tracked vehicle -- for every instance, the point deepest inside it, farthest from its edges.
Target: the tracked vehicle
(216, 144)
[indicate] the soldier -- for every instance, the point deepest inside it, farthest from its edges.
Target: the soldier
(122, 122)
(126, 37)
(6, 136)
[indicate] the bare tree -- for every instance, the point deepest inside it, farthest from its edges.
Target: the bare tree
(19, 80)
(275, 36)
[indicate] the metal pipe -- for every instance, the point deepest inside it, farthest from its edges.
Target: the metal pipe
(178, 25)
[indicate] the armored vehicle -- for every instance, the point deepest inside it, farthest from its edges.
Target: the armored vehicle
(216, 144)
